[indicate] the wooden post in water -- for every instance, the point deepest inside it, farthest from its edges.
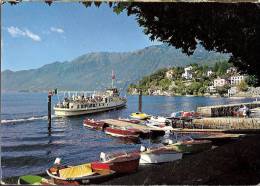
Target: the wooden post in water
(49, 110)
(140, 101)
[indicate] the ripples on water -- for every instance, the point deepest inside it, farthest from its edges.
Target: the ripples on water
(28, 148)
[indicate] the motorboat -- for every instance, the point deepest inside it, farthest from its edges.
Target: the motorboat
(139, 115)
(120, 162)
(134, 121)
(158, 155)
(95, 124)
(123, 132)
(160, 119)
(157, 125)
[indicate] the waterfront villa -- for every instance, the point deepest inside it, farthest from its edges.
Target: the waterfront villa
(231, 70)
(169, 74)
(220, 82)
(236, 80)
(232, 91)
(187, 73)
(209, 73)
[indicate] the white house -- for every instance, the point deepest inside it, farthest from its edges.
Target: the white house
(231, 70)
(232, 91)
(209, 72)
(169, 74)
(236, 80)
(187, 73)
(220, 82)
(212, 89)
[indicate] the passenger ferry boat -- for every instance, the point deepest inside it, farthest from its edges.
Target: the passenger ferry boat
(97, 102)
(80, 104)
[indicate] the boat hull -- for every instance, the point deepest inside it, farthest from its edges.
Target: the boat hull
(151, 158)
(122, 165)
(121, 133)
(63, 112)
(97, 125)
(97, 176)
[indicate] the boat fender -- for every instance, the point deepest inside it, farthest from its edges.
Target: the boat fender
(170, 142)
(57, 161)
(142, 149)
(102, 156)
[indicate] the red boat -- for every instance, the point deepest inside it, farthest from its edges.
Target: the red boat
(134, 121)
(91, 123)
(120, 162)
(122, 132)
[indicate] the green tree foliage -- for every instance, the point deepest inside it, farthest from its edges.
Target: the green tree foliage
(229, 28)
(251, 80)
(223, 90)
(221, 67)
(197, 86)
(242, 86)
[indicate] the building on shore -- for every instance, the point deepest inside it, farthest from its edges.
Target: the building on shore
(212, 89)
(169, 74)
(209, 73)
(187, 73)
(232, 91)
(236, 80)
(220, 82)
(231, 70)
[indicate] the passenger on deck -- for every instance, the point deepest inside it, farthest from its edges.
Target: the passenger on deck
(244, 110)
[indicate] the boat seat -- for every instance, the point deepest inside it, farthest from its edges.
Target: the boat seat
(76, 171)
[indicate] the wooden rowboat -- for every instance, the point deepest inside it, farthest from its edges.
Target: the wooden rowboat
(34, 180)
(121, 163)
(80, 174)
(158, 155)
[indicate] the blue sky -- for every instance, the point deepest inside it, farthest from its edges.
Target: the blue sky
(34, 34)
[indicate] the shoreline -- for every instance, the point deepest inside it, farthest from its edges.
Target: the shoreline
(232, 163)
(211, 96)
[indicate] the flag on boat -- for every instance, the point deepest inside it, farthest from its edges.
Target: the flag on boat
(113, 75)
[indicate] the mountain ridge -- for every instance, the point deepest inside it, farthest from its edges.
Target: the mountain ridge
(92, 71)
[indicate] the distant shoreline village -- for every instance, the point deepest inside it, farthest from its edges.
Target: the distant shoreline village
(221, 80)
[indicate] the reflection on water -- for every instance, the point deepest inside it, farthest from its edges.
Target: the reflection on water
(28, 148)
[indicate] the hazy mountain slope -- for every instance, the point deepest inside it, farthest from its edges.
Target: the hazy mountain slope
(93, 70)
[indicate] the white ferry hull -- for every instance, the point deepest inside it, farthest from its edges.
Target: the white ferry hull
(63, 112)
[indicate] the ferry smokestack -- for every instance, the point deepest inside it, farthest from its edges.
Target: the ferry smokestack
(113, 78)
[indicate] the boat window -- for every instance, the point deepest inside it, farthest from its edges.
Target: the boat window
(71, 107)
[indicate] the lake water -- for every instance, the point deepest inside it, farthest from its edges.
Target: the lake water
(28, 148)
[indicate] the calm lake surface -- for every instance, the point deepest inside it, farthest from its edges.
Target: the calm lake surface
(28, 148)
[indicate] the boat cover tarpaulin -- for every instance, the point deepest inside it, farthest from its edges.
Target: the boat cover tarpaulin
(76, 171)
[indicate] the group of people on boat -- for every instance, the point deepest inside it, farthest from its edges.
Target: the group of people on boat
(243, 111)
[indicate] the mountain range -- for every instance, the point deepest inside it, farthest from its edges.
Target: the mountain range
(92, 71)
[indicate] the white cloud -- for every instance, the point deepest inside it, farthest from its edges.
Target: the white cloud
(17, 32)
(58, 30)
